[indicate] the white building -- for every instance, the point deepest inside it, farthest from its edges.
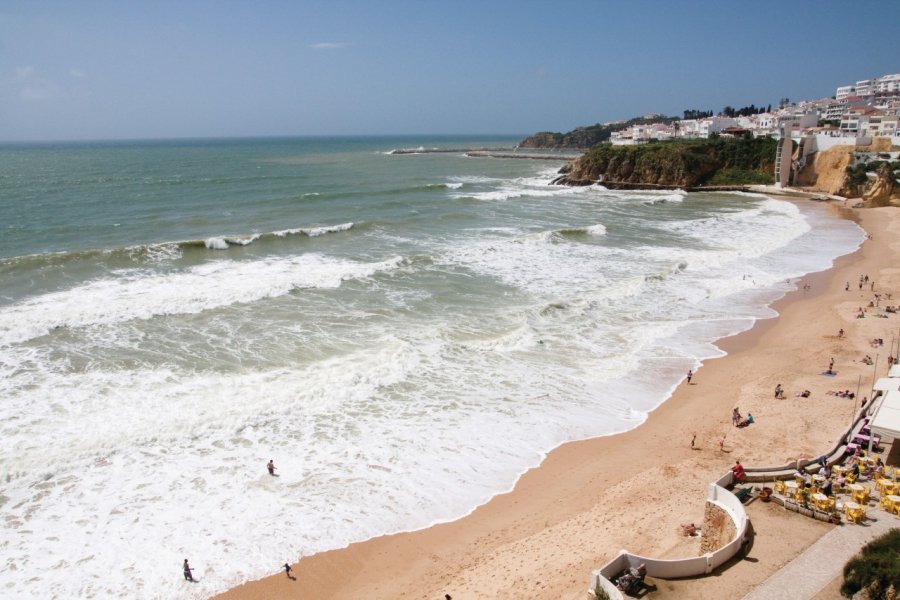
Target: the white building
(844, 92)
(856, 120)
(834, 111)
(864, 87)
(881, 125)
(712, 125)
(888, 84)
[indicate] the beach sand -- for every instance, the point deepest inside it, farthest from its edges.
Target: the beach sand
(589, 499)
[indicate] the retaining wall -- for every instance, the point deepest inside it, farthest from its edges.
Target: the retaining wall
(724, 499)
(681, 567)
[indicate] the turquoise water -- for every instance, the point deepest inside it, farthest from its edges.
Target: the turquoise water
(403, 334)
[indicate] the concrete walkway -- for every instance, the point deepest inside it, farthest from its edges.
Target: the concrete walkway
(806, 575)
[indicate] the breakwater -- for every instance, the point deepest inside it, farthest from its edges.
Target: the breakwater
(491, 153)
(421, 150)
(514, 154)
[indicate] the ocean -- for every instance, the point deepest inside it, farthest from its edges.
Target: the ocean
(404, 335)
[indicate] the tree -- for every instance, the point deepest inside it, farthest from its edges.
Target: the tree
(696, 114)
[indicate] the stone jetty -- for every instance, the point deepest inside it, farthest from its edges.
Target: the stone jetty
(491, 153)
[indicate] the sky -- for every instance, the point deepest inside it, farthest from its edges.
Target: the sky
(92, 70)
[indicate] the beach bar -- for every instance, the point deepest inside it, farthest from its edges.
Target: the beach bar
(886, 418)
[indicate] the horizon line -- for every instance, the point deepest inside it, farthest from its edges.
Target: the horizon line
(249, 137)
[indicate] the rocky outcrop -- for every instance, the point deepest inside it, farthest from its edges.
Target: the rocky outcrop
(675, 165)
(542, 139)
(882, 188)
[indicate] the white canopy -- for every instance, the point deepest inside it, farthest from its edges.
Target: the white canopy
(894, 371)
(886, 420)
(887, 383)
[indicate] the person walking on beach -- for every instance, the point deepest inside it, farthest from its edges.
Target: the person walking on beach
(187, 571)
(779, 392)
(271, 467)
(287, 570)
(689, 375)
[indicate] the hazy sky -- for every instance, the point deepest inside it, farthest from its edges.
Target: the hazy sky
(126, 69)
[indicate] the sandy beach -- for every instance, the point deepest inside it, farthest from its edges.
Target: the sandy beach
(590, 499)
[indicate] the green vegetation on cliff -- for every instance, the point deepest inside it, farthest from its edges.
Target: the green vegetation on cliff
(875, 569)
(692, 163)
(856, 175)
(585, 137)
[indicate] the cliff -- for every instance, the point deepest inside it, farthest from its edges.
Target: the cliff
(682, 164)
(833, 171)
(827, 172)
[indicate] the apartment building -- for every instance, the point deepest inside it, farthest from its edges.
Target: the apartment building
(886, 84)
(844, 92)
(889, 84)
(855, 121)
(882, 125)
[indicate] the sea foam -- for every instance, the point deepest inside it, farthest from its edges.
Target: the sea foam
(138, 294)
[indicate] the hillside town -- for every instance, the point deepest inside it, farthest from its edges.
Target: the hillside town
(867, 109)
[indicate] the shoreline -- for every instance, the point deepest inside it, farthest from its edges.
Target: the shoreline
(589, 498)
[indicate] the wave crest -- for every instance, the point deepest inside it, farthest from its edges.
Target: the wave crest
(164, 251)
(211, 285)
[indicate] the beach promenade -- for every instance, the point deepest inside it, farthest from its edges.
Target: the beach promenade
(590, 499)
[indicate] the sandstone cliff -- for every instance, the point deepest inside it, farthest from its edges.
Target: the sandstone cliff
(827, 171)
